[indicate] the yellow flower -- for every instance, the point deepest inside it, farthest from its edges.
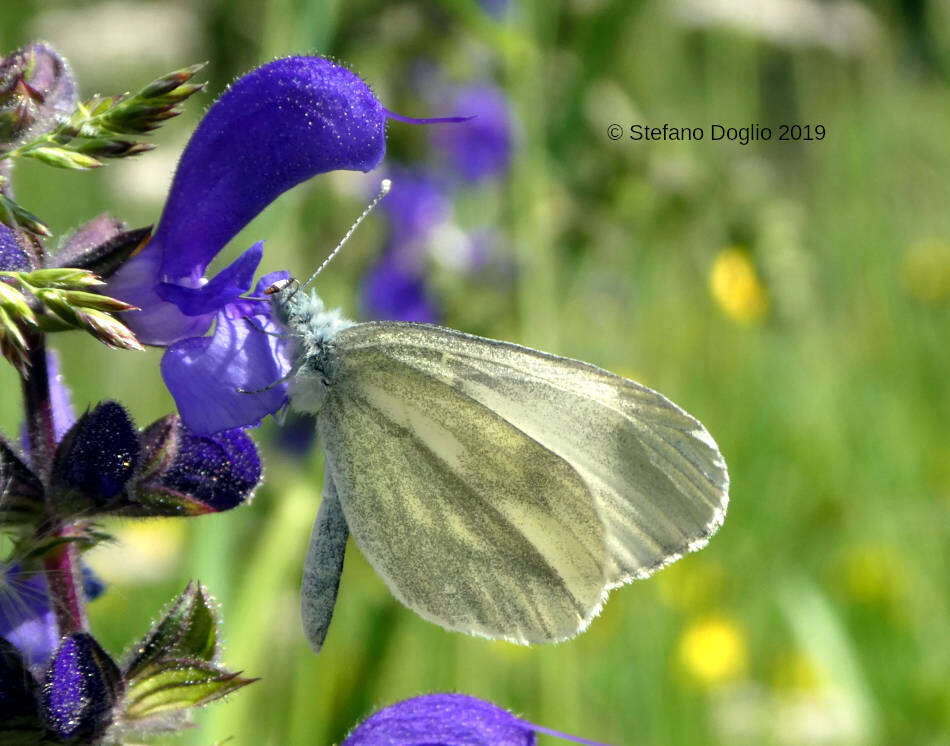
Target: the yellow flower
(736, 287)
(926, 271)
(712, 651)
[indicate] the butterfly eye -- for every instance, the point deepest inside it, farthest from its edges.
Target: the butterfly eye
(278, 286)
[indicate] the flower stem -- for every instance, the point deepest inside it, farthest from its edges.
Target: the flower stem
(62, 563)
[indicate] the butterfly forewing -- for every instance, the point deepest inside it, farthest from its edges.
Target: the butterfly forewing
(473, 524)
(655, 475)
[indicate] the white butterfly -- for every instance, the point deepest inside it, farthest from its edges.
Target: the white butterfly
(498, 490)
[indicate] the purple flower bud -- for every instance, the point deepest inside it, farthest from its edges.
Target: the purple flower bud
(480, 148)
(98, 456)
(37, 91)
(447, 719)
(83, 685)
(13, 257)
(219, 470)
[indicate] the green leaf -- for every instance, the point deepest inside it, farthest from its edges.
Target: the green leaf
(187, 630)
(177, 685)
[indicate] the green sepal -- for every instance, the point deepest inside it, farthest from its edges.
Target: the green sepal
(106, 257)
(178, 685)
(160, 442)
(63, 278)
(62, 158)
(14, 215)
(155, 499)
(188, 630)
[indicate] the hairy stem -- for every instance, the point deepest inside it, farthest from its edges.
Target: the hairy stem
(63, 578)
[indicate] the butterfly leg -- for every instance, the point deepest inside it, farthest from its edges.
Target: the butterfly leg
(290, 374)
(258, 328)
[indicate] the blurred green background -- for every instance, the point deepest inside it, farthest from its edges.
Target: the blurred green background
(793, 296)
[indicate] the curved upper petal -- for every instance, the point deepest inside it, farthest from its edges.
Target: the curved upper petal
(273, 128)
(206, 375)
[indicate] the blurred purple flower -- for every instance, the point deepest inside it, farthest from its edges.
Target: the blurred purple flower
(455, 719)
(393, 292)
(394, 288)
(495, 8)
(26, 618)
(481, 148)
(64, 416)
(417, 203)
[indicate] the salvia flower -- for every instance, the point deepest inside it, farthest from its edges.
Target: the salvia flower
(13, 256)
(82, 687)
(274, 128)
(456, 719)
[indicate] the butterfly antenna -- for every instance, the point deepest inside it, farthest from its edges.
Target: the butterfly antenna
(384, 188)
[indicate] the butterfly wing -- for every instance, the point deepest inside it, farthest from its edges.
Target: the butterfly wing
(525, 483)
(323, 567)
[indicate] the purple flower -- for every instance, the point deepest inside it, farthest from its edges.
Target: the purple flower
(220, 471)
(274, 128)
(481, 148)
(455, 719)
(394, 292)
(98, 456)
(495, 8)
(82, 687)
(26, 617)
(13, 257)
(417, 203)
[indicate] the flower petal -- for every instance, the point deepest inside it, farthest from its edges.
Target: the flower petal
(219, 470)
(394, 293)
(82, 687)
(12, 256)
(455, 719)
(205, 375)
(480, 148)
(226, 286)
(158, 322)
(275, 127)
(98, 456)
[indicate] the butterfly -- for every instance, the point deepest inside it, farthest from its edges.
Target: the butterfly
(497, 490)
